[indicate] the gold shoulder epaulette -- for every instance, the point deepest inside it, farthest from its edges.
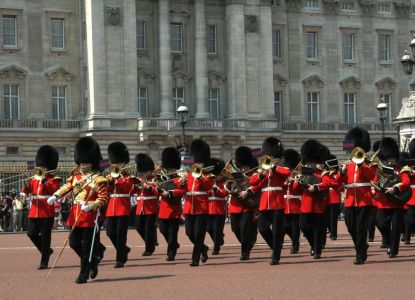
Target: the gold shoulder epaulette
(405, 169)
(101, 179)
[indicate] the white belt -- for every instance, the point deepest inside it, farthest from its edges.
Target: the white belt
(79, 202)
(119, 195)
(271, 188)
(216, 199)
(41, 196)
(147, 198)
(357, 184)
(195, 193)
(412, 186)
(293, 197)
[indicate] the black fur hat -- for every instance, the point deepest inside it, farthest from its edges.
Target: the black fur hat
(144, 162)
(47, 157)
(170, 158)
(360, 136)
(244, 157)
(291, 158)
(87, 151)
(218, 163)
(412, 148)
(312, 151)
(273, 147)
(388, 149)
(404, 158)
(375, 146)
(332, 162)
(118, 153)
(200, 151)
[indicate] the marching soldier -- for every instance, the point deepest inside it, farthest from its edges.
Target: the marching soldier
(196, 205)
(89, 193)
(334, 195)
(373, 210)
(41, 215)
(292, 200)
(356, 176)
(241, 214)
(170, 203)
(269, 180)
(147, 202)
(405, 160)
(410, 214)
(217, 206)
(390, 211)
(313, 186)
(119, 205)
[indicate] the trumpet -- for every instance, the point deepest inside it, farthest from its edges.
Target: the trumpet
(266, 162)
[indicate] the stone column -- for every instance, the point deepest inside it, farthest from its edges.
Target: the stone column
(95, 48)
(267, 86)
(165, 61)
(235, 39)
(201, 60)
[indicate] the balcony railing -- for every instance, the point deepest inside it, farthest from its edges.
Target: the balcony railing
(40, 124)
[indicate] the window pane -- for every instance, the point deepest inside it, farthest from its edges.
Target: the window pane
(384, 46)
(142, 102)
(312, 45)
(141, 35)
(59, 102)
(276, 49)
(11, 101)
(211, 39)
(57, 33)
(214, 103)
(178, 96)
(348, 39)
(278, 106)
(9, 31)
(176, 37)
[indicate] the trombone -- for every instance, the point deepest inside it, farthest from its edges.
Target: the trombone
(197, 170)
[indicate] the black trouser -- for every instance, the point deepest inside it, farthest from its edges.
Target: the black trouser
(169, 228)
(81, 242)
(215, 226)
(271, 227)
(312, 225)
(409, 222)
(372, 222)
(292, 229)
(145, 226)
(389, 222)
(196, 226)
(357, 221)
(242, 226)
(334, 210)
(117, 229)
(39, 231)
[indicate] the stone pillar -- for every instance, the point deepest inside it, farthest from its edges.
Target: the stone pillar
(165, 61)
(201, 60)
(95, 48)
(235, 40)
(267, 87)
(406, 121)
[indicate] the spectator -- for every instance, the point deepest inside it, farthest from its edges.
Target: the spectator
(6, 211)
(18, 205)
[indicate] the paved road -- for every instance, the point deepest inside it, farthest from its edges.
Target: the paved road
(224, 276)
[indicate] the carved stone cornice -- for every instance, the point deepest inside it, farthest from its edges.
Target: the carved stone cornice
(147, 76)
(386, 83)
(59, 72)
(178, 74)
(314, 81)
(350, 82)
(280, 80)
(216, 76)
(179, 10)
(403, 7)
(13, 72)
(331, 5)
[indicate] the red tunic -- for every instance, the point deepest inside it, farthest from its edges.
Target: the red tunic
(119, 203)
(311, 203)
(147, 199)
(292, 200)
(412, 186)
(90, 187)
(40, 192)
(196, 201)
(382, 201)
(236, 206)
(336, 188)
(271, 188)
(169, 209)
(357, 183)
(217, 200)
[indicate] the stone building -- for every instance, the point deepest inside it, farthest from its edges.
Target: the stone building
(247, 69)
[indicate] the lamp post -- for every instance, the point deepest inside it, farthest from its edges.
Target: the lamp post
(182, 114)
(383, 110)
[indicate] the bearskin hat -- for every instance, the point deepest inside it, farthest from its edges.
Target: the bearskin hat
(375, 146)
(360, 137)
(87, 151)
(291, 158)
(218, 165)
(324, 154)
(244, 157)
(170, 158)
(118, 153)
(412, 148)
(200, 151)
(332, 162)
(47, 157)
(404, 158)
(312, 151)
(144, 162)
(388, 149)
(273, 147)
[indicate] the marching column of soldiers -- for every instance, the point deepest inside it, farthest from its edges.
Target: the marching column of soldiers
(282, 192)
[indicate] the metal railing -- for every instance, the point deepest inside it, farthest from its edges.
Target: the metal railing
(40, 124)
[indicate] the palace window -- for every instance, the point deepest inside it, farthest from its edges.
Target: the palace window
(141, 35)
(276, 44)
(9, 31)
(142, 102)
(58, 33)
(211, 39)
(311, 45)
(214, 103)
(178, 97)
(59, 102)
(11, 101)
(349, 108)
(176, 40)
(313, 106)
(278, 106)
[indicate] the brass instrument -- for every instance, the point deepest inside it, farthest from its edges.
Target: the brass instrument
(358, 155)
(197, 170)
(266, 162)
(115, 171)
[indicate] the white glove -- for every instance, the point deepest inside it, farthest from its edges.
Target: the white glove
(51, 200)
(85, 208)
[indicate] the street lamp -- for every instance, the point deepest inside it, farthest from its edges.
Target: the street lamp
(182, 114)
(383, 110)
